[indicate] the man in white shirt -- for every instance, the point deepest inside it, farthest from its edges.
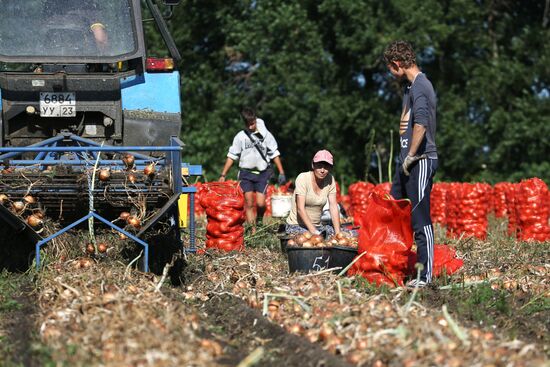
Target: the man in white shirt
(255, 148)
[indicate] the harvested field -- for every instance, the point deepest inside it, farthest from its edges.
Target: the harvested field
(494, 311)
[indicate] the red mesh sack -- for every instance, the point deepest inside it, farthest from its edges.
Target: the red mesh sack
(532, 210)
(383, 188)
(473, 209)
(467, 208)
(511, 208)
(199, 210)
(499, 199)
(452, 213)
(490, 193)
(224, 206)
(345, 202)
(359, 197)
(445, 261)
(387, 238)
(438, 203)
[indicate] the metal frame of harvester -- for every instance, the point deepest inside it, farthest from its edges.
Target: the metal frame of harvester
(83, 155)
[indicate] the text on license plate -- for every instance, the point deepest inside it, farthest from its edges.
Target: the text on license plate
(57, 104)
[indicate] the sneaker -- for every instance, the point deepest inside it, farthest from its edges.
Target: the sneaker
(415, 283)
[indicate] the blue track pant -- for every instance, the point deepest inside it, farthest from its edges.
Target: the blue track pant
(417, 187)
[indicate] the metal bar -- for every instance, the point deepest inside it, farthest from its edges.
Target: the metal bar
(78, 162)
(194, 169)
(95, 144)
(58, 233)
(188, 189)
(159, 214)
(40, 156)
(175, 161)
(41, 144)
(129, 235)
(176, 164)
(192, 222)
(89, 149)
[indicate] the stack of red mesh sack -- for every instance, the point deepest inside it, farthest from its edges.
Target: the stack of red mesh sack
(199, 210)
(468, 207)
(452, 214)
(499, 199)
(359, 196)
(511, 193)
(438, 203)
(346, 203)
(532, 210)
(224, 206)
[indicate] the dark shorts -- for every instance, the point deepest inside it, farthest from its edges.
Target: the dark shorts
(255, 182)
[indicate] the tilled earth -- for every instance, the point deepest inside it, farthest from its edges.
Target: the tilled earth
(245, 309)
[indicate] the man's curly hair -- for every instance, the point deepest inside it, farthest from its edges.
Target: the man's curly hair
(401, 51)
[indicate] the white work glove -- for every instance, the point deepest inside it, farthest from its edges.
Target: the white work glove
(408, 162)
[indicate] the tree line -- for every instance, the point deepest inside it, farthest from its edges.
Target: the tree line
(313, 70)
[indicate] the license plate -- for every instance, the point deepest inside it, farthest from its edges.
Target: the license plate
(57, 104)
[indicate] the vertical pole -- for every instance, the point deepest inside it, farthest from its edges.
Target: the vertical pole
(192, 221)
(175, 160)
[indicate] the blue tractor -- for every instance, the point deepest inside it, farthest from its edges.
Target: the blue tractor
(80, 98)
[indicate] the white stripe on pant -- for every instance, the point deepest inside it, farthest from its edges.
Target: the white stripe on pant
(428, 232)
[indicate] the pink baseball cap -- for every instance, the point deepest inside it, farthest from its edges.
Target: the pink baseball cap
(323, 156)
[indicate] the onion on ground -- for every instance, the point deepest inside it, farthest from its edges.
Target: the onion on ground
(102, 247)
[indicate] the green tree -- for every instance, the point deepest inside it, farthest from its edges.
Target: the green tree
(313, 70)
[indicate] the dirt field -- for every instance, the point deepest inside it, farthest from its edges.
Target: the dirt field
(245, 309)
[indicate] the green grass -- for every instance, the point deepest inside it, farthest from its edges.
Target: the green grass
(11, 286)
(265, 236)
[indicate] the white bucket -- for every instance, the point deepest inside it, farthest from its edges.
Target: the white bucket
(280, 205)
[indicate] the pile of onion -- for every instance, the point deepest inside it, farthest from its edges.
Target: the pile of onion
(344, 240)
(307, 239)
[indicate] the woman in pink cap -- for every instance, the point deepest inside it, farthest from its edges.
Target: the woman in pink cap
(312, 191)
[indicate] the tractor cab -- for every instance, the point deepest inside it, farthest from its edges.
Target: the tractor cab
(81, 67)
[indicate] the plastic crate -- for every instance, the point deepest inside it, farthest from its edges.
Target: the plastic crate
(341, 256)
(308, 259)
